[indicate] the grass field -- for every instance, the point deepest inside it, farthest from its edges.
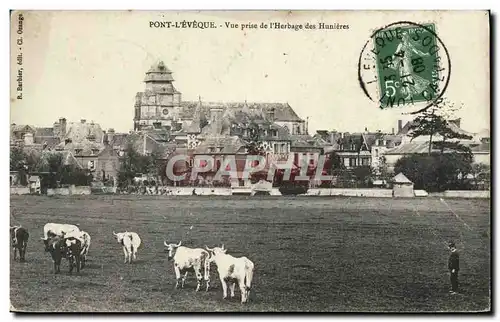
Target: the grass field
(310, 254)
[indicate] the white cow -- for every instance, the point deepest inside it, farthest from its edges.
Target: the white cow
(130, 242)
(189, 259)
(84, 238)
(53, 229)
(232, 270)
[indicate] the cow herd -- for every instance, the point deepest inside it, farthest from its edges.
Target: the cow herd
(66, 241)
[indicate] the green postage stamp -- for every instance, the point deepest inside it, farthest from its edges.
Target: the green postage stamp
(406, 65)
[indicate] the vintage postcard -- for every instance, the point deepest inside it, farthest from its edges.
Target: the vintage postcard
(272, 161)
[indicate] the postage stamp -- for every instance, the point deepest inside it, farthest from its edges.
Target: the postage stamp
(410, 66)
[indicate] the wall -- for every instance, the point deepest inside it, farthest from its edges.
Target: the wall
(462, 194)
(19, 190)
(58, 192)
(382, 193)
(203, 191)
(71, 190)
(403, 190)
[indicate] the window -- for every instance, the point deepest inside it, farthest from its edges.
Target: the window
(78, 151)
(276, 146)
(346, 162)
(94, 151)
(376, 152)
(365, 161)
(352, 162)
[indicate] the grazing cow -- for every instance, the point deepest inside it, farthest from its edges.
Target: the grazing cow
(69, 248)
(130, 242)
(84, 238)
(189, 259)
(19, 236)
(53, 229)
(232, 270)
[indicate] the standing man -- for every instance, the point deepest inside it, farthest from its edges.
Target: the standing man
(454, 267)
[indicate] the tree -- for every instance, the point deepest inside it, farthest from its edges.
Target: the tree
(362, 174)
(131, 163)
(254, 142)
(19, 163)
(481, 173)
(436, 172)
(432, 122)
(254, 147)
(381, 169)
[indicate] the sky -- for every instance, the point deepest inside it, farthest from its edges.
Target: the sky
(90, 65)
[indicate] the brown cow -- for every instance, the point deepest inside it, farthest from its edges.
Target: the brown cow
(59, 248)
(19, 236)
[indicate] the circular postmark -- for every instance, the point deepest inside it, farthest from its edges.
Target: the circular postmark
(404, 64)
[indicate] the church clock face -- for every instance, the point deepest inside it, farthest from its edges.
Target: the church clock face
(165, 111)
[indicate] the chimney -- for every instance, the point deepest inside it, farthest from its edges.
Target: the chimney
(392, 131)
(83, 121)
(400, 126)
(270, 114)
(62, 127)
(111, 134)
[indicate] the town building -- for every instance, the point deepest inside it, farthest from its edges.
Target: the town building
(205, 127)
(479, 144)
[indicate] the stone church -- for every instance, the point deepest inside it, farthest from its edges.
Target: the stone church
(195, 125)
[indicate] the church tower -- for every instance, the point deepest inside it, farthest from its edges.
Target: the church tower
(157, 107)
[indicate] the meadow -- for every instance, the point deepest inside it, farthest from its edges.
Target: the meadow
(310, 253)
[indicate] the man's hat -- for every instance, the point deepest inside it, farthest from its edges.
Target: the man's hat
(451, 244)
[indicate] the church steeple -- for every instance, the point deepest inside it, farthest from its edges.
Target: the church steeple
(159, 104)
(159, 73)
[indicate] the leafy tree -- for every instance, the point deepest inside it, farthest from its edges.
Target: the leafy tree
(362, 174)
(131, 163)
(254, 147)
(381, 170)
(481, 173)
(436, 172)
(19, 163)
(254, 142)
(432, 122)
